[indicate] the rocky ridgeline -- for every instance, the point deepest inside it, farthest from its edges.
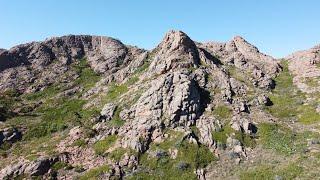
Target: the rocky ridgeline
(179, 92)
(41, 63)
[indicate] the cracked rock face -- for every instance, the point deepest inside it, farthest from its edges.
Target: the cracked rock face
(173, 100)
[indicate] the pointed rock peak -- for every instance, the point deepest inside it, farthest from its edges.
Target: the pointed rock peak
(174, 40)
(176, 50)
(240, 44)
(239, 40)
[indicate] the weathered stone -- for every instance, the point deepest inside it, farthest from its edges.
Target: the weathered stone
(107, 112)
(10, 135)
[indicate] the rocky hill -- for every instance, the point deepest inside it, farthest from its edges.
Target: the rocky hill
(81, 107)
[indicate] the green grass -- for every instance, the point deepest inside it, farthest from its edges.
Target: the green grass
(101, 146)
(142, 68)
(30, 147)
(60, 165)
(278, 138)
(44, 128)
(189, 157)
(7, 102)
(222, 135)
(116, 90)
(95, 173)
(288, 101)
(87, 77)
(59, 113)
(116, 121)
(290, 171)
(118, 153)
(56, 116)
(79, 143)
(222, 111)
(48, 92)
(312, 81)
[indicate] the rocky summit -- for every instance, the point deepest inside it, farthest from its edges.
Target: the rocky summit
(91, 107)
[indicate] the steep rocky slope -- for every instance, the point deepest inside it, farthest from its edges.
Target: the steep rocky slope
(91, 107)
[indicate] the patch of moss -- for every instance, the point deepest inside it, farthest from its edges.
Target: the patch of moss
(95, 173)
(195, 130)
(222, 111)
(118, 153)
(7, 102)
(245, 139)
(60, 165)
(79, 143)
(174, 139)
(101, 146)
(143, 68)
(116, 90)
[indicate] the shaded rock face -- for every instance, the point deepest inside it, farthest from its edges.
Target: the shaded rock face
(173, 100)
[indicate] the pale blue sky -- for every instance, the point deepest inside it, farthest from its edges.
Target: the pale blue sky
(276, 27)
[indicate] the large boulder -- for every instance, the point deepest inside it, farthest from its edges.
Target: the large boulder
(10, 135)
